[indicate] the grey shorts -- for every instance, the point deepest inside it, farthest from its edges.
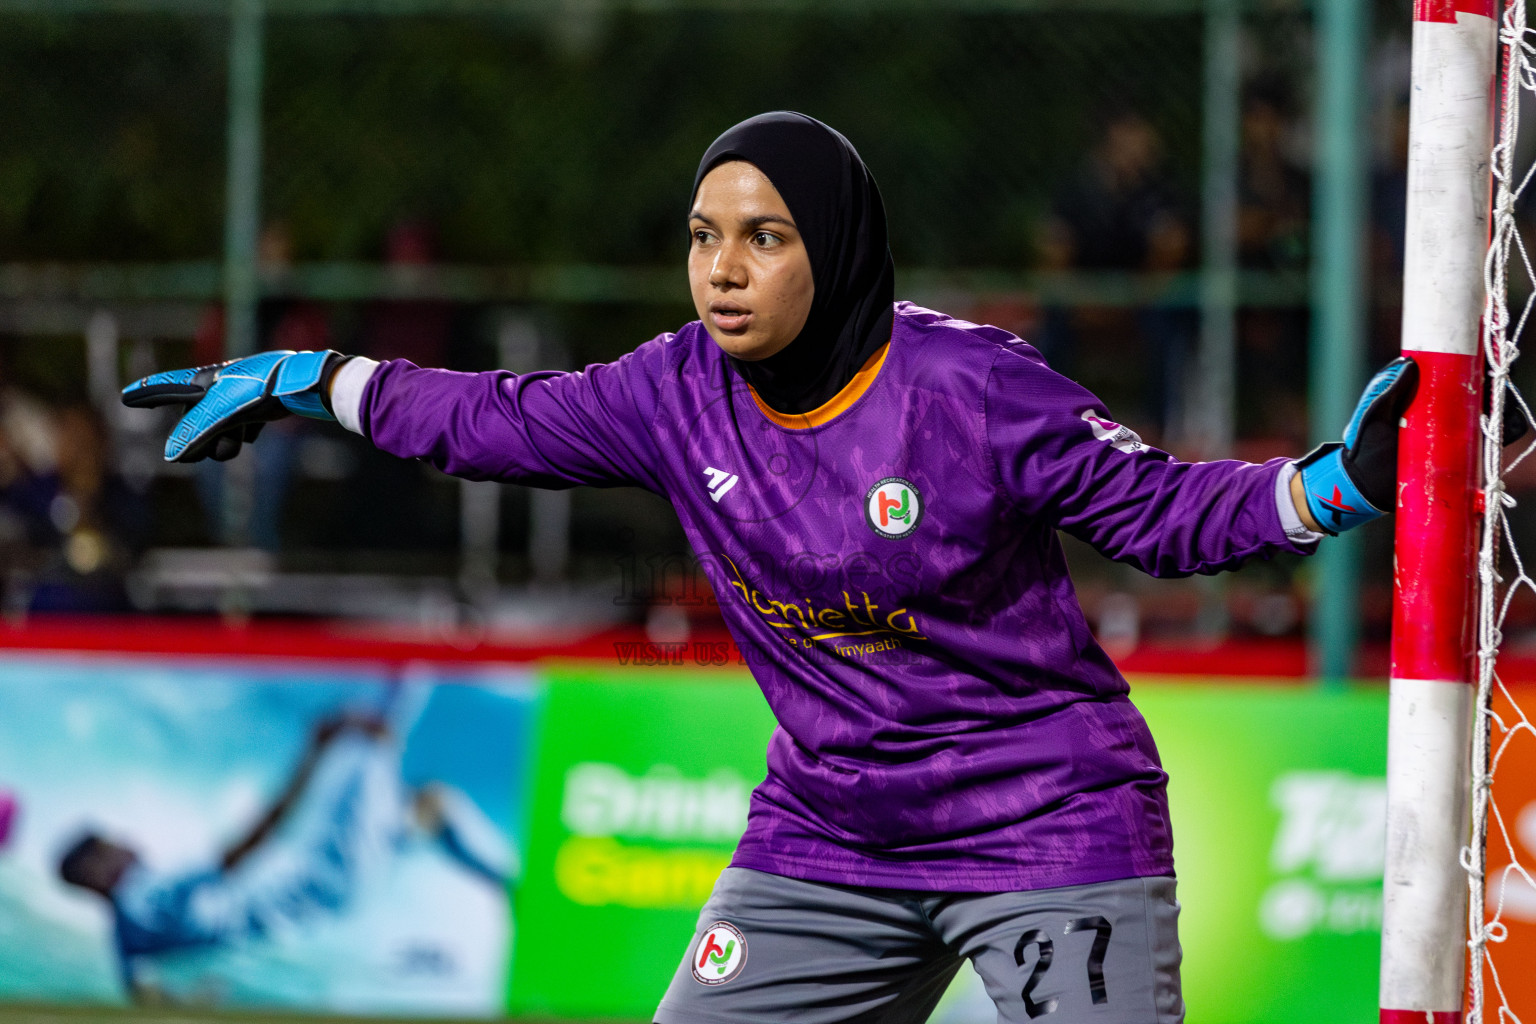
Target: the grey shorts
(773, 950)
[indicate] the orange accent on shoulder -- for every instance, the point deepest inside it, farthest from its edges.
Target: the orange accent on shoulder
(837, 404)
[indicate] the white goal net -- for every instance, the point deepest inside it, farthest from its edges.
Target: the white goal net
(1504, 734)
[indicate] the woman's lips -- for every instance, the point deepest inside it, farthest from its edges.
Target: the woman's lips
(730, 320)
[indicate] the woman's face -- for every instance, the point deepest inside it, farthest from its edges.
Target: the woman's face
(747, 266)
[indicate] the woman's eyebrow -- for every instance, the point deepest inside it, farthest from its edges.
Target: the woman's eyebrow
(748, 222)
(767, 218)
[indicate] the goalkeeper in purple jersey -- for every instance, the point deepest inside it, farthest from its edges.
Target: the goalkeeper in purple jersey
(874, 491)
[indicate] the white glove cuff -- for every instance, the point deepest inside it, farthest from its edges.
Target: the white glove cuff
(1290, 519)
(347, 392)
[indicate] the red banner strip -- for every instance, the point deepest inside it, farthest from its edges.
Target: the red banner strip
(1446, 10)
(1420, 1017)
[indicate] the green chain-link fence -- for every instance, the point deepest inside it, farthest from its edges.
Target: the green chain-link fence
(503, 170)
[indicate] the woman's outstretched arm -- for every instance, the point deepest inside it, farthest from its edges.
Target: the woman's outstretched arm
(591, 426)
(1060, 459)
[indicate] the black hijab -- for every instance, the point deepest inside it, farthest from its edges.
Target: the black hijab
(838, 211)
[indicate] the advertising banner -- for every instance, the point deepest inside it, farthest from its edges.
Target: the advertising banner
(641, 793)
(223, 835)
(1278, 799)
(1277, 796)
(334, 840)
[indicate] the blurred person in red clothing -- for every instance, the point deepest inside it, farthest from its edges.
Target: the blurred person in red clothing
(416, 328)
(281, 321)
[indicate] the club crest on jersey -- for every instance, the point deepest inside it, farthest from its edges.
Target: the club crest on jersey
(720, 955)
(893, 508)
(1123, 438)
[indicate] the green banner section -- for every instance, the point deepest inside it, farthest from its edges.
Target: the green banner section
(1278, 796)
(640, 794)
(641, 788)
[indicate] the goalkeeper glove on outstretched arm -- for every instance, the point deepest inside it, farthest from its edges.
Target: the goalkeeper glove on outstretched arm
(1349, 483)
(228, 403)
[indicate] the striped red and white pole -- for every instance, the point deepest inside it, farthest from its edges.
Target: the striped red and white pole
(1424, 920)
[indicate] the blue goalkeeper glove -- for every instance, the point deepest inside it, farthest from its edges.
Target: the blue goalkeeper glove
(228, 403)
(1353, 482)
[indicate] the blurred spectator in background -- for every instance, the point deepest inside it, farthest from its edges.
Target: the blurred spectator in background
(81, 518)
(418, 329)
(27, 450)
(1122, 212)
(1274, 191)
(282, 322)
(28, 444)
(388, 503)
(1389, 194)
(1273, 229)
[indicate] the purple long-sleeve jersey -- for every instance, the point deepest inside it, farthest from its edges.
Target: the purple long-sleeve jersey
(891, 569)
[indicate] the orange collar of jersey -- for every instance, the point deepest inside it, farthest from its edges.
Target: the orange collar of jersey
(838, 403)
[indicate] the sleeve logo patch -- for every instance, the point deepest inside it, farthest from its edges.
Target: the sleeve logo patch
(1123, 438)
(893, 508)
(720, 954)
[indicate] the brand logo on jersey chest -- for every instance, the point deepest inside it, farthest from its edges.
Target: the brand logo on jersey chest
(893, 507)
(720, 482)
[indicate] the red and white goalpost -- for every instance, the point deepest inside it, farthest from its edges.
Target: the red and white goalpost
(1433, 697)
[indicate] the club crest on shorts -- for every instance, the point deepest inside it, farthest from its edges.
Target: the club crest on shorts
(720, 955)
(893, 508)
